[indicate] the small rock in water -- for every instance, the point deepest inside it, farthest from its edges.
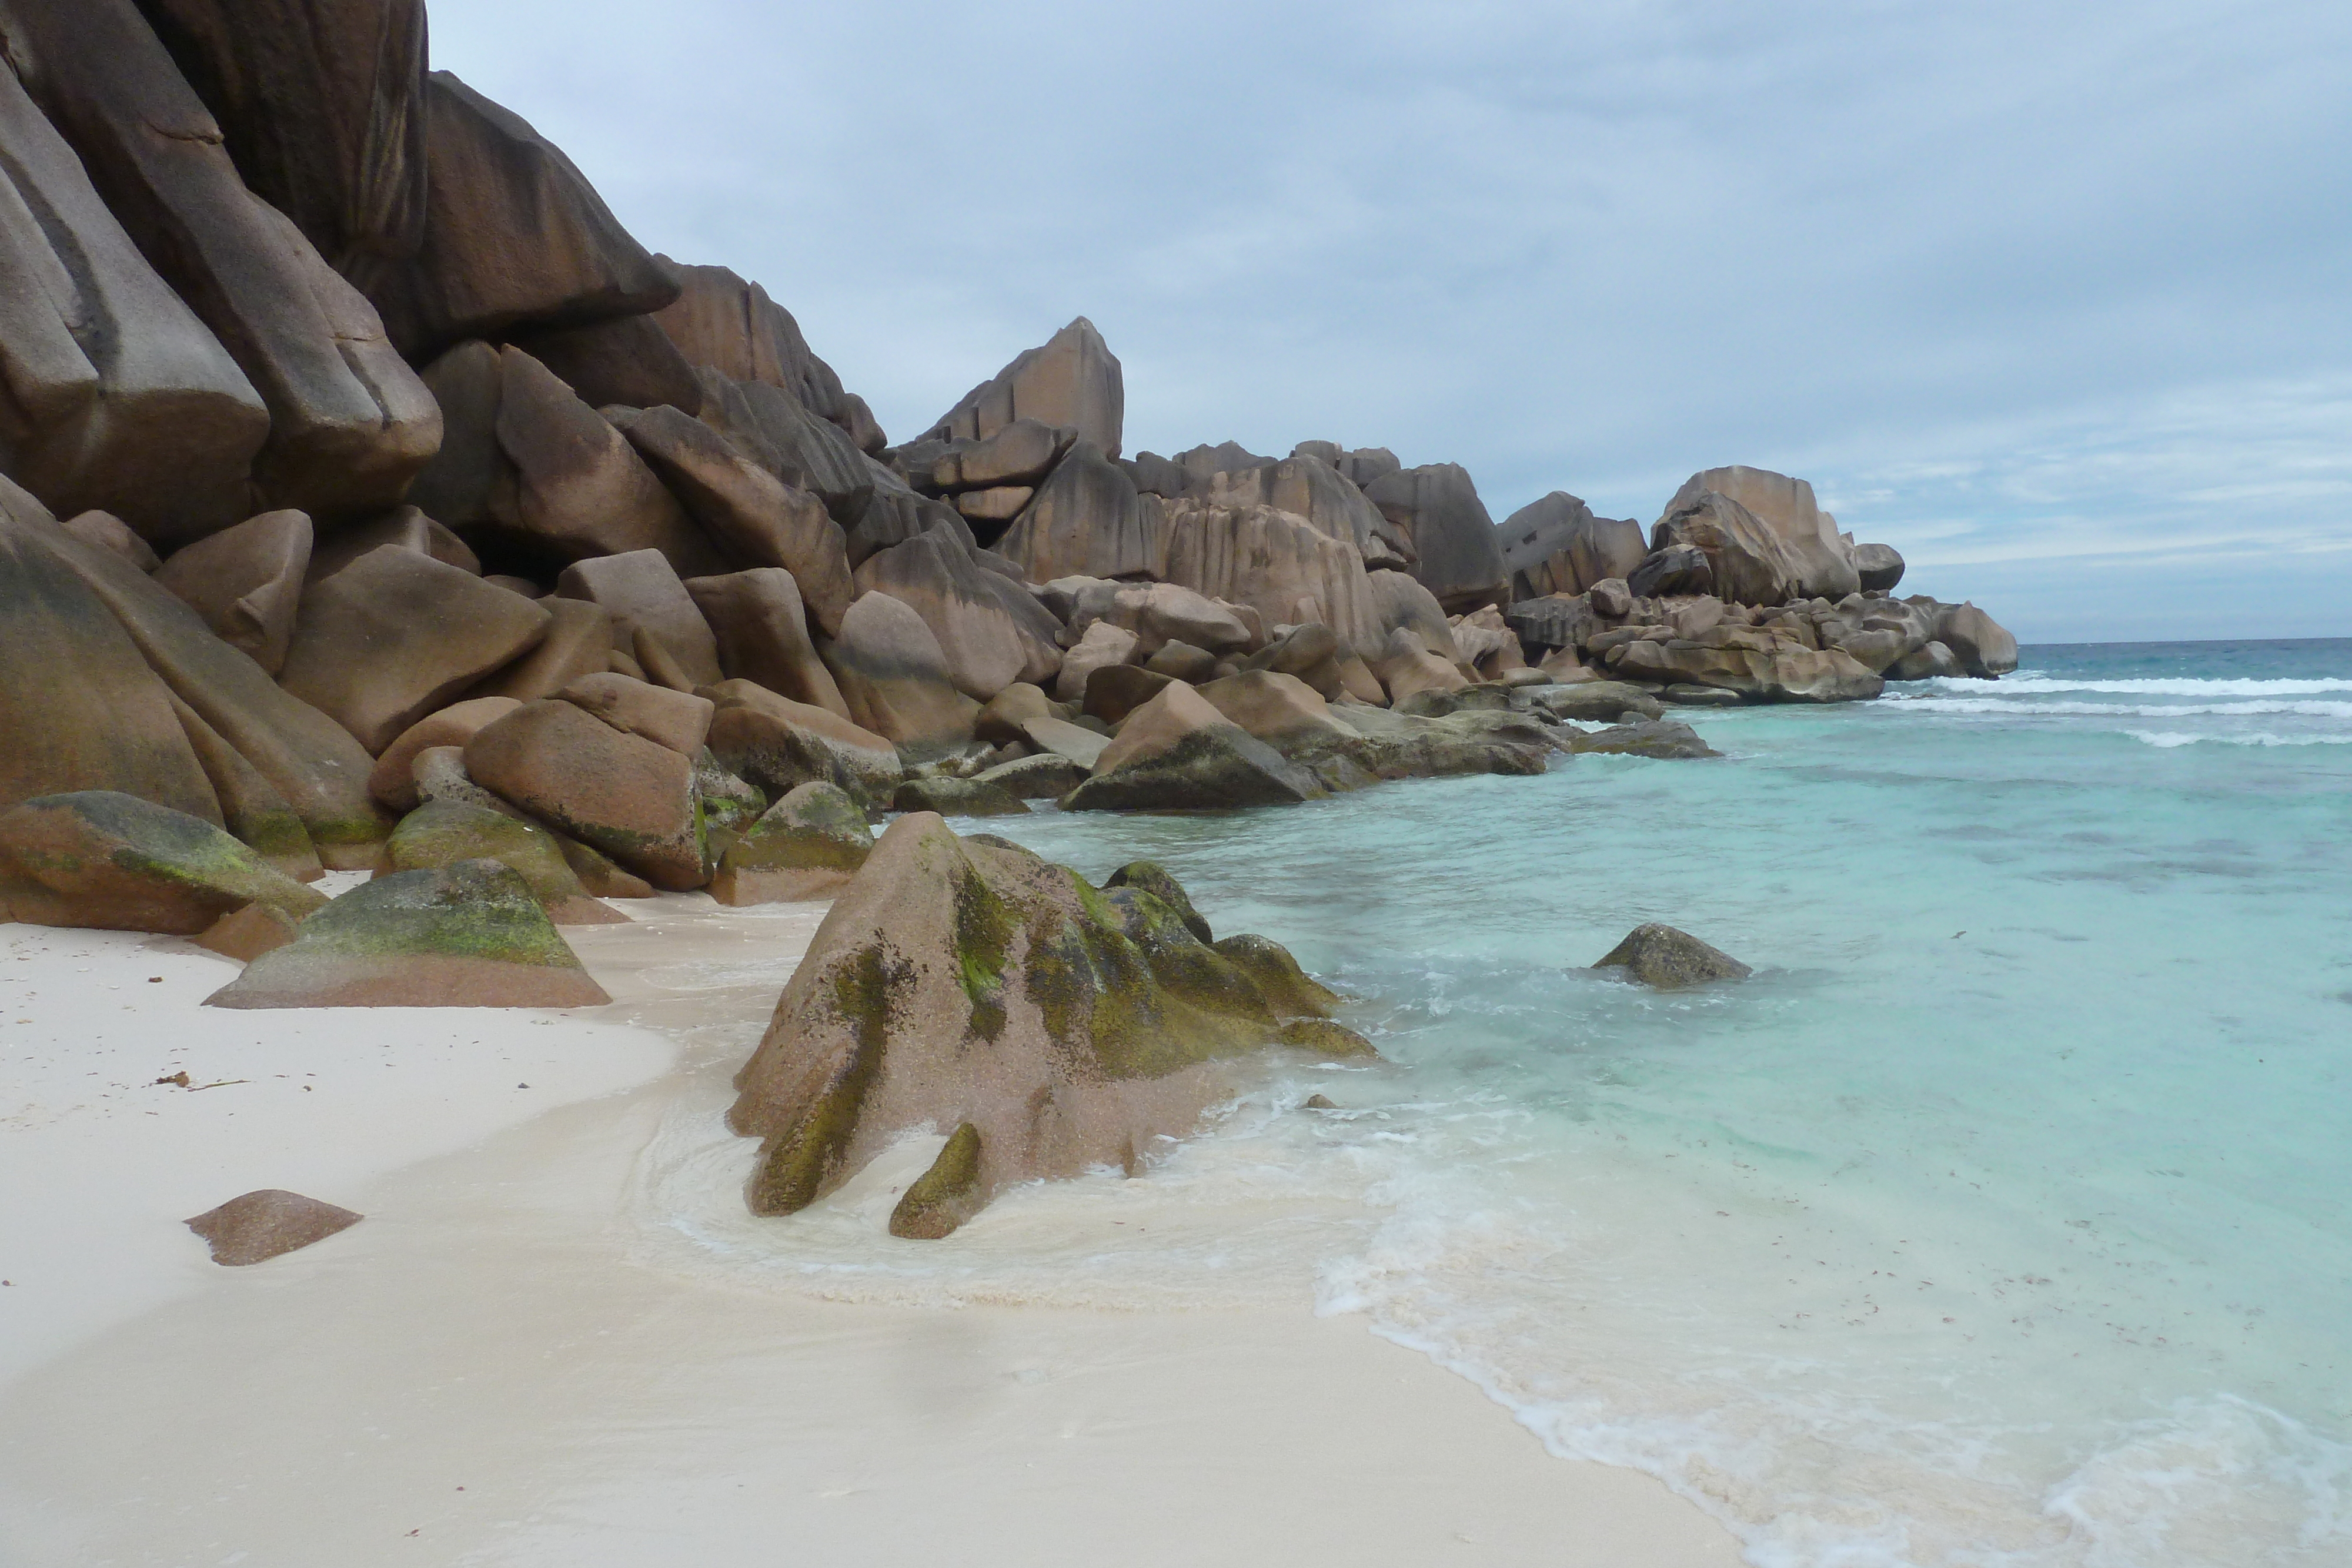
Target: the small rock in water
(1666, 959)
(261, 1224)
(1317, 1102)
(1646, 737)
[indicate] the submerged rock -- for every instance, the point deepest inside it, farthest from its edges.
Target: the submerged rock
(1664, 739)
(962, 985)
(259, 1226)
(468, 935)
(1666, 959)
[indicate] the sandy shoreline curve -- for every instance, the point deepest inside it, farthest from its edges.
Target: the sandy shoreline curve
(480, 1374)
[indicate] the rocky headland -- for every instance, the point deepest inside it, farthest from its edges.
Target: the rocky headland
(369, 499)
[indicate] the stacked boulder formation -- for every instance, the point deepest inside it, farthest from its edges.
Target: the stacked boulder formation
(369, 499)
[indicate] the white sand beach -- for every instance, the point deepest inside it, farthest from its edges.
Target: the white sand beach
(492, 1369)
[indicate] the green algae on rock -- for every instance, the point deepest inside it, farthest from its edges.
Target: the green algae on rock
(443, 833)
(958, 984)
(102, 859)
(946, 1195)
(468, 934)
(805, 845)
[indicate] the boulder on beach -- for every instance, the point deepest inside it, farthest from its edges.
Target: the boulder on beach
(443, 832)
(1980, 645)
(990, 632)
(1102, 646)
(255, 1226)
(312, 761)
(956, 983)
(393, 782)
(1177, 752)
(1117, 690)
(1046, 776)
(579, 642)
(470, 935)
(679, 720)
(761, 630)
(896, 679)
(806, 845)
(627, 796)
(247, 582)
(1666, 959)
(111, 862)
(251, 808)
(645, 596)
(778, 743)
(396, 634)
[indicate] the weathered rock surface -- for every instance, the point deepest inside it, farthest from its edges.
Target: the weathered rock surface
(962, 985)
(896, 679)
(629, 362)
(312, 761)
(1152, 877)
(1072, 742)
(1071, 379)
(1001, 716)
(1117, 690)
(104, 530)
(111, 862)
(1980, 645)
(1438, 508)
(1104, 646)
(579, 642)
(396, 635)
(406, 527)
(1748, 560)
(679, 720)
(349, 421)
(1306, 486)
(251, 808)
(1666, 959)
(1751, 661)
(1825, 568)
(1278, 564)
(443, 832)
(1283, 711)
(806, 845)
(1045, 777)
(121, 399)
(1930, 661)
(1177, 752)
(513, 235)
(258, 1226)
(1086, 520)
(1594, 702)
(1665, 739)
(622, 794)
(566, 485)
(1556, 545)
(247, 582)
(1678, 568)
(468, 934)
(723, 324)
(990, 631)
(393, 782)
(80, 707)
(778, 743)
(1406, 666)
(750, 514)
(644, 595)
(958, 798)
(1880, 566)
(776, 430)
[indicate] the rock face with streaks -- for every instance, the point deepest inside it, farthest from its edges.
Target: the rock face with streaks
(349, 425)
(1071, 379)
(1053, 1025)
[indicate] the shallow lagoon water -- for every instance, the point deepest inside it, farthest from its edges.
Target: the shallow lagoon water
(2001, 1219)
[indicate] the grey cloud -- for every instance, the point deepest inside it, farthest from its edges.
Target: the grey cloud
(2031, 292)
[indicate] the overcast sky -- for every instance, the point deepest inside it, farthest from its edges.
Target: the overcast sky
(2051, 297)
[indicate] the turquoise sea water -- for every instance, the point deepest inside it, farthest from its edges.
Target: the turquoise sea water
(2001, 1218)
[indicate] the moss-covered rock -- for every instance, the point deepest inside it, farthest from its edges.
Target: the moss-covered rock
(1288, 990)
(945, 1195)
(729, 806)
(808, 845)
(1152, 877)
(957, 798)
(443, 833)
(958, 983)
(468, 934)
(113, 862)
